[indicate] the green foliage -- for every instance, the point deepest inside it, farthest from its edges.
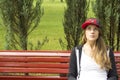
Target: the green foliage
(20, 19)
(109, 18)
(74, 16)
(38, 45)
(50, 25)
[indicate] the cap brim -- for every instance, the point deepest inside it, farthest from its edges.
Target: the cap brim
(84, 25)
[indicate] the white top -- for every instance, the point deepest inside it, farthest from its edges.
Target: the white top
(90, 70)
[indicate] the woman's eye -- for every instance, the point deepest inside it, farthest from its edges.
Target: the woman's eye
(89, 28)
(96, 29)
(92, 29)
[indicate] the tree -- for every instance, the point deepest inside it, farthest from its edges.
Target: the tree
(20, 17)
(109, 19)
(114, 23)
(74, 16)
(61, 0)
(118, 31)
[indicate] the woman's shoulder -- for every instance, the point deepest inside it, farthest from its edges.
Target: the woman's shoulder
(79, 46)
(109, 48)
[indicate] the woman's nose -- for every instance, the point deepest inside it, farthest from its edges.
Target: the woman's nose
(92, 31)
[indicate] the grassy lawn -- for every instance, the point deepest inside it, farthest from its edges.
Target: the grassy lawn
(51, 26)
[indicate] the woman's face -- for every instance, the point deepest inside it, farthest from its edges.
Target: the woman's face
(92, 33)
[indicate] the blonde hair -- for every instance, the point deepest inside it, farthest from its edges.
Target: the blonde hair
(99, 53)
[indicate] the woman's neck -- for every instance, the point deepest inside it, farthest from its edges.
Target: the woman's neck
(90, 44)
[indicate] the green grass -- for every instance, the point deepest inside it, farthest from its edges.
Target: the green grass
(50, 25)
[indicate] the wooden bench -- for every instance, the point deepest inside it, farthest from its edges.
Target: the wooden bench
(48, 65)
(117, 61)
(37, 65)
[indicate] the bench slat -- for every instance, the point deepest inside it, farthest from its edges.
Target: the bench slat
(35, 54)
(34, 65)
(34, 70)
(31, 78)
(117, 60)
(34, 59)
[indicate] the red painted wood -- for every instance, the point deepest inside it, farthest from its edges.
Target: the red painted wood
(34, 65)
(34, 59)
(31, 78)
(52, 62)
(34, 70)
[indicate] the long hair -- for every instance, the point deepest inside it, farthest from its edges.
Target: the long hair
(99, 52)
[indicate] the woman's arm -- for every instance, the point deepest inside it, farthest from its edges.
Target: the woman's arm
(112, 74)
(72, 66)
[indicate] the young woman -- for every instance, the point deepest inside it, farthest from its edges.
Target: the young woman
(96, 59)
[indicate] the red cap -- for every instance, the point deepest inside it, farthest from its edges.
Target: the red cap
(90, 21)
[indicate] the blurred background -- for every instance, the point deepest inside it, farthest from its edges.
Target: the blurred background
(55, 24)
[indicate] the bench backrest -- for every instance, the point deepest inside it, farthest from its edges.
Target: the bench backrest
(117, 61)
(42, 62)
(49, 64)
(52, 64)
